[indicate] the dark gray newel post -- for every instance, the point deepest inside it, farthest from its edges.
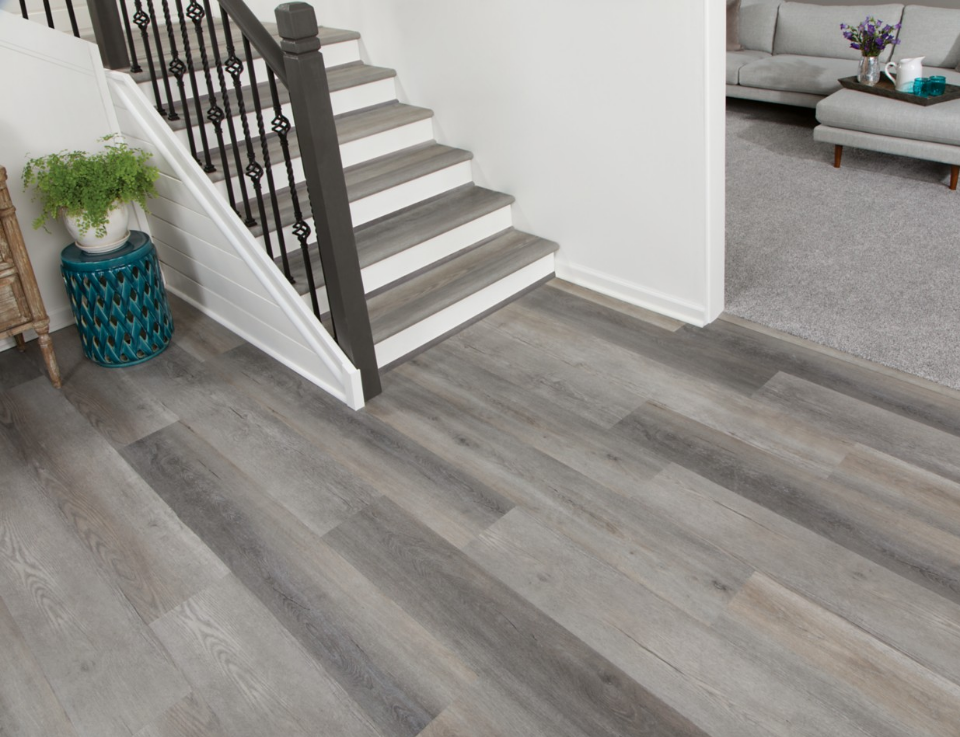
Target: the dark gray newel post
(320, 153)
(108, 29)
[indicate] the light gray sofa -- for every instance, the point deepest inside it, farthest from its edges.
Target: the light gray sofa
(794, 53)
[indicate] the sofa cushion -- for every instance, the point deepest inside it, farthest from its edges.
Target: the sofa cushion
(860, 111)
(814, 75)
(814, 30)
(758, 23)
(733, 25)
(933, 33)
(737, 60)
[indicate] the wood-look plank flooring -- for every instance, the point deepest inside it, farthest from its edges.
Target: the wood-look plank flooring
(572, 519)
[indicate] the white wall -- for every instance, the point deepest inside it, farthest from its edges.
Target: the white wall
(603, 117)
(53, 97)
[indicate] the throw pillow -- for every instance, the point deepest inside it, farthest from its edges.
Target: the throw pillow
(733, 25)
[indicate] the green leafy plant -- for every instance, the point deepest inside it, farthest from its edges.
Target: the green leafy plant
(87, 185)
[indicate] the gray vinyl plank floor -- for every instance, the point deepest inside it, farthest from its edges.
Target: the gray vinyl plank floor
(572, 519)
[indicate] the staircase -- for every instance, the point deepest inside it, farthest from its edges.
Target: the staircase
(436, 252)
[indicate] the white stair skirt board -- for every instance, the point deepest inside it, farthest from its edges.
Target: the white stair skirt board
(390, 200)
(318, 357)
(440, 323)
(424, 254)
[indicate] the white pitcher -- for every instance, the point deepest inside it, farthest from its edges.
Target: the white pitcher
(905, 72)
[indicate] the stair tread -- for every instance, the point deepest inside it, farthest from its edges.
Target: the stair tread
(409, 227)
(379, 174)
(338, 78)
(384, 172)
(369, 121)
(398, 308)
(328, 37)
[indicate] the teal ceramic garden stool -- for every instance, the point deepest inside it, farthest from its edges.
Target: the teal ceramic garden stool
(118, 301)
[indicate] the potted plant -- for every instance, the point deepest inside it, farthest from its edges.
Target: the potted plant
(91, 192)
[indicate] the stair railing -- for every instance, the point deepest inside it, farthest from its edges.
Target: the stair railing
(218, 97)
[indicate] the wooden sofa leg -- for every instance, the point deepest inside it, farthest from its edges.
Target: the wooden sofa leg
(954, 177)
(837, 156)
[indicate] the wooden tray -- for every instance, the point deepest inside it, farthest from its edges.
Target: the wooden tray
(885, 88)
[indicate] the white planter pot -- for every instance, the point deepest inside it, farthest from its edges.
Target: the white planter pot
(118, 230)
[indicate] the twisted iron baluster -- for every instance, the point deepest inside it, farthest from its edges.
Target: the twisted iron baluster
(177, 68)
(142, 21)
(198, 104)
(231, 128)
(281, 126)
(73, 19)
(171, 109)
(253, 169)
(135, 67)
(265, 147)
(196, 13)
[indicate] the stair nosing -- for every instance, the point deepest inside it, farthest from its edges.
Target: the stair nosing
(532, 248)
(490, 200)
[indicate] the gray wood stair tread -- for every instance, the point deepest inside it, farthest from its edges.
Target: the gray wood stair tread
(328, 37)
(411, 301)
(339, 78)
(371, 119)
(355, 74)
(379, 174)
(408, 227)
(384, 172)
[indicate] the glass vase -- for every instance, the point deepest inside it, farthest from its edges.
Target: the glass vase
(869, 73)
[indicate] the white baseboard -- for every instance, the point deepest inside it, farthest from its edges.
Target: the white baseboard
(59, 319)
(634, 294)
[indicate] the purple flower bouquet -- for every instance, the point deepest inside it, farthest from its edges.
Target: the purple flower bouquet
(871, 37)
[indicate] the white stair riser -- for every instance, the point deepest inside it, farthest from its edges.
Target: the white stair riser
(429, 252)
(346, 52)
(440, 323)
(410, 193)
(386, 142)
(335, 55)
(372, 147)
(388, 201)
(344, 101)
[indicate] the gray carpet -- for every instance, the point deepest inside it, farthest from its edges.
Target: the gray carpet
(865, 259)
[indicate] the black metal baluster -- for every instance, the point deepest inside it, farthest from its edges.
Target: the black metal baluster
(231, 128)
(73, 19)
(194, 88)
(135, 67)
(177, 68)
(253, 169)
(281, 126)
(49, 12)
(268, 167)
(142, 21)
(23, 10)
(196, 13)
(161, 57)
